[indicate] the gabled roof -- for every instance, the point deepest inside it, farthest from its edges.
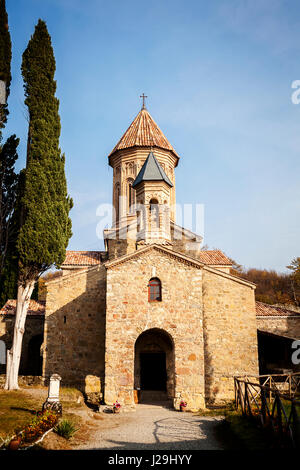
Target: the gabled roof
(143, 132)
(151, 171)
(82, 258)
(36, 307)
(179, 256)
(214, 257)
(92, 258)
(266, 310)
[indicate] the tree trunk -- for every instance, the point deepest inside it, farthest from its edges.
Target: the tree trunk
(14, 355)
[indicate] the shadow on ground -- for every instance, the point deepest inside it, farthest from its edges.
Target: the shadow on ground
(168, 434)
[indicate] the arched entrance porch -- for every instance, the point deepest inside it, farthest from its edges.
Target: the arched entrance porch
(154, 365)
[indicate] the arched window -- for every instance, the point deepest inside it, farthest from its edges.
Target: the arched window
(130, 196)
(154, 290)
(117, 202)
(154, 213)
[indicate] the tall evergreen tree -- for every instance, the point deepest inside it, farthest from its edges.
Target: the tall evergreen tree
(45, 224)
(8, 225)
(8, 177)
(5, 58)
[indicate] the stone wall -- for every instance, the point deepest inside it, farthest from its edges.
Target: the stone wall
(285, 326)
(230, 335)
(178, 315)
(119, 247)
(24, 380)
(187, 245)
(75, 329)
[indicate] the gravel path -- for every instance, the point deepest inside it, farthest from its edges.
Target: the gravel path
(155, 428)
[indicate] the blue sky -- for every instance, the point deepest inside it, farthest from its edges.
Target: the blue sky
(218, 76)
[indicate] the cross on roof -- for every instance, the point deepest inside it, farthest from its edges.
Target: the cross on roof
(143, 96)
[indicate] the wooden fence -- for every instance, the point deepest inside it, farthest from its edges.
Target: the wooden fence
(273, 402)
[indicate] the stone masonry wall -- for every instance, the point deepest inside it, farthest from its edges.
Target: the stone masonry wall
(285, 326)
(75, 329)
(179, 314)
(230, 335)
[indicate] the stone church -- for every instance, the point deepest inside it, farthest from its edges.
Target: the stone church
(153, 316)
(151, 313)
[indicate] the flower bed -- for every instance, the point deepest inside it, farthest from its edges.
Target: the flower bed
(33, 431)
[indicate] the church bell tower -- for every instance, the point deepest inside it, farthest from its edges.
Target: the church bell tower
(143, 163)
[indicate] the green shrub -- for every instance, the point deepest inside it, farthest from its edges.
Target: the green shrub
(65, 429)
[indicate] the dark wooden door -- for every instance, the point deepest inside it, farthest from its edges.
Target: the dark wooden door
(153, 371)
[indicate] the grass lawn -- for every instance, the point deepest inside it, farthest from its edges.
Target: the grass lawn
(17, 409)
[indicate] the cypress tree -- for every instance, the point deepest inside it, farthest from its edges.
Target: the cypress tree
(45, 227)
(9, 184)
(5, 58)
(8, 177)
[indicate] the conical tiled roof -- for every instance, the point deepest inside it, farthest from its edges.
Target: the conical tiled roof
(151, 171)
(143, 132)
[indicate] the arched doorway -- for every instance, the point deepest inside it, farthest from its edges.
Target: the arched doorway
(35, 360)
(154, 364)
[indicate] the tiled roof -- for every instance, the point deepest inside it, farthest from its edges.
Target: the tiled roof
(151, 171)
(266, 310)
(143, 132)
(36, 307)
(91, 258)
(214, 257)
(82, 258)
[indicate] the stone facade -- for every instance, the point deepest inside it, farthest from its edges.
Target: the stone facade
(75, 329)
(230, 334)
(281, 326)
(178, 315)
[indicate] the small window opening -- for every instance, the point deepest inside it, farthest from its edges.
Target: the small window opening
(154, 290)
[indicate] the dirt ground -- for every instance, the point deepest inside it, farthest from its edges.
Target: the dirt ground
(100, 430)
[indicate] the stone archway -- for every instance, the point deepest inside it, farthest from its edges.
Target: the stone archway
(154, 364)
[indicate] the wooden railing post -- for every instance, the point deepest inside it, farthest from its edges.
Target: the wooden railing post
(279, 411)
(284, 423)
(235, 393)
(245, 396)
(295, 425)
(263, 406)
